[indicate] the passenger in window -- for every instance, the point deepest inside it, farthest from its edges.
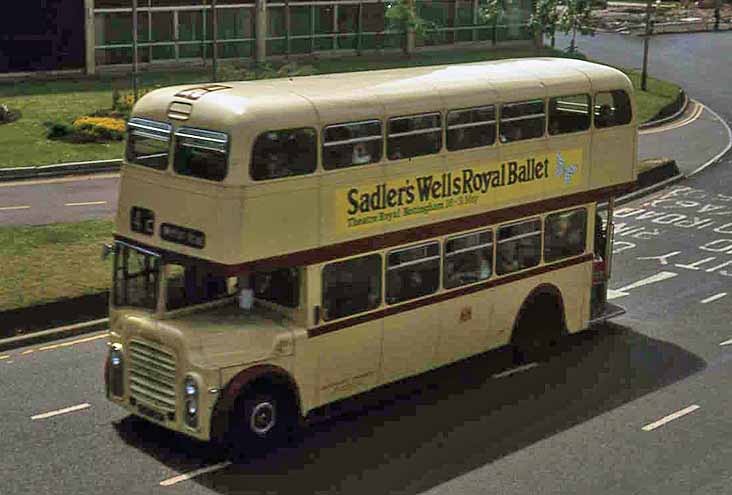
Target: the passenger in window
(507, 261)
(605, 116)
(277, 165)
(361, 154)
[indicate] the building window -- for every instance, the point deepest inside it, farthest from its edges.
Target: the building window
(414, 136)
(468, 259)
(351, 286)
(412, 272)
(522, 120)
(612, 108)
(565, 234)
(569, 114)
(284, 153)
(357, 143)
(471, 128)
(519, 246)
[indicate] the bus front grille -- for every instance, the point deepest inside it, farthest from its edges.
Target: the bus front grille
(152, 376)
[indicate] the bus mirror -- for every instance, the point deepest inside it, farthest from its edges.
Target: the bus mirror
(107, 249)
(316, 314)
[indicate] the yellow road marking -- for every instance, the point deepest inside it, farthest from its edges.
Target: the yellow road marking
(7, 208)
(694, 116)
(88, 203)
(7, 356)
(29, 351)
(73, 342)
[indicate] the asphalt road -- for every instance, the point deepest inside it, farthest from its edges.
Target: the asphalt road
(586, 421)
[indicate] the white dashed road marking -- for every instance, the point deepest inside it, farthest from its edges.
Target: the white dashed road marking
(623, 291)
(726, 342)
(713, 298)
(516, 370)
(61, 411)
(88, 203)
(670, 417)
(8, 208)
(193, 474)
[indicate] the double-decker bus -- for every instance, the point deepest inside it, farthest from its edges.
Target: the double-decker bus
(284, 244)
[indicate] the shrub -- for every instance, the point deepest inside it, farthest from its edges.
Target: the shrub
(101, 128)
(58, 129)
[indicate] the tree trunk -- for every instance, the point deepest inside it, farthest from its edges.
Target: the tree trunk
(573, 45)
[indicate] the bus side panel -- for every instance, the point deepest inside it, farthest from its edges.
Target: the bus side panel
(613, 153)
(349, 360)
(410, 340)
(467, 327)
(281, 217)
(573, 283)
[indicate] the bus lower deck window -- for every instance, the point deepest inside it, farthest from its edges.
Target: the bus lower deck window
(468, 259)
(412, 272)
(565, 234)
(351, 286)
(519, 246)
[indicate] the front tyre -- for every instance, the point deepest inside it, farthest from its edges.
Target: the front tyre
(263, 419)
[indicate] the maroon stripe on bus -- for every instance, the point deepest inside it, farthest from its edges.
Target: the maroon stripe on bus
(445, 296)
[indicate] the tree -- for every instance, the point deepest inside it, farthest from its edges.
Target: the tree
(493, 13)
(403, 14)
(544, 19)
(577, 16)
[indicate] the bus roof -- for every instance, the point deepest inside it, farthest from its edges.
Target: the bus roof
(332, 98)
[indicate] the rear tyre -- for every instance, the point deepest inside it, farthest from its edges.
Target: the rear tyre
(538, 329)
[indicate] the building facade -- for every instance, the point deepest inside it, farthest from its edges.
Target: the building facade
(98, 34)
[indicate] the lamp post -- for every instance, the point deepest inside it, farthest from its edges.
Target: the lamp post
(646, 39)
(134, 48)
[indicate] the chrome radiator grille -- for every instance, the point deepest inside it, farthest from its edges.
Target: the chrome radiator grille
(152, 375)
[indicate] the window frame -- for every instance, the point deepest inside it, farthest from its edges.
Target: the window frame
(155, 130)
(315, 167)
(445, 255)
(493, 122)
(542, 115)
(389, 135)
(324, 144)
(387, 267)
(570, 211)
(380, 274)
(590, 115)
(226, 151)
(595, 107)
(539, 233)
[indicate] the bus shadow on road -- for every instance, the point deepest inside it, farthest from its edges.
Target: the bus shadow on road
(419, 433)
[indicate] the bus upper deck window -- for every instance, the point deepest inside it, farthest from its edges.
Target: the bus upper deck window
(200, 153)
(569, 114)
(148, 143)
(414, 136)
(471, 128)
(357, 143)
(284, 153)
(612, 108)
(522, 120)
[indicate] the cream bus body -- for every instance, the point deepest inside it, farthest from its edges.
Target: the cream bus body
(238, 226)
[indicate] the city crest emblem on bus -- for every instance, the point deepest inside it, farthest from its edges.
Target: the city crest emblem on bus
(564, 170)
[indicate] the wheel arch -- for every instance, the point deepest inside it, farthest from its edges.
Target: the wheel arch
(241, 383)
(542, 296)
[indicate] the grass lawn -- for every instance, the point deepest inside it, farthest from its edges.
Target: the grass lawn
(24, 142)
(51, 262)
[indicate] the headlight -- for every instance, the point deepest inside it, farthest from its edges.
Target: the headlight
(190, 392)
(115, 371)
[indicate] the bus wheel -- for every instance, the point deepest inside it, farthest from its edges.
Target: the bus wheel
(538, 328)
(263, 418)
